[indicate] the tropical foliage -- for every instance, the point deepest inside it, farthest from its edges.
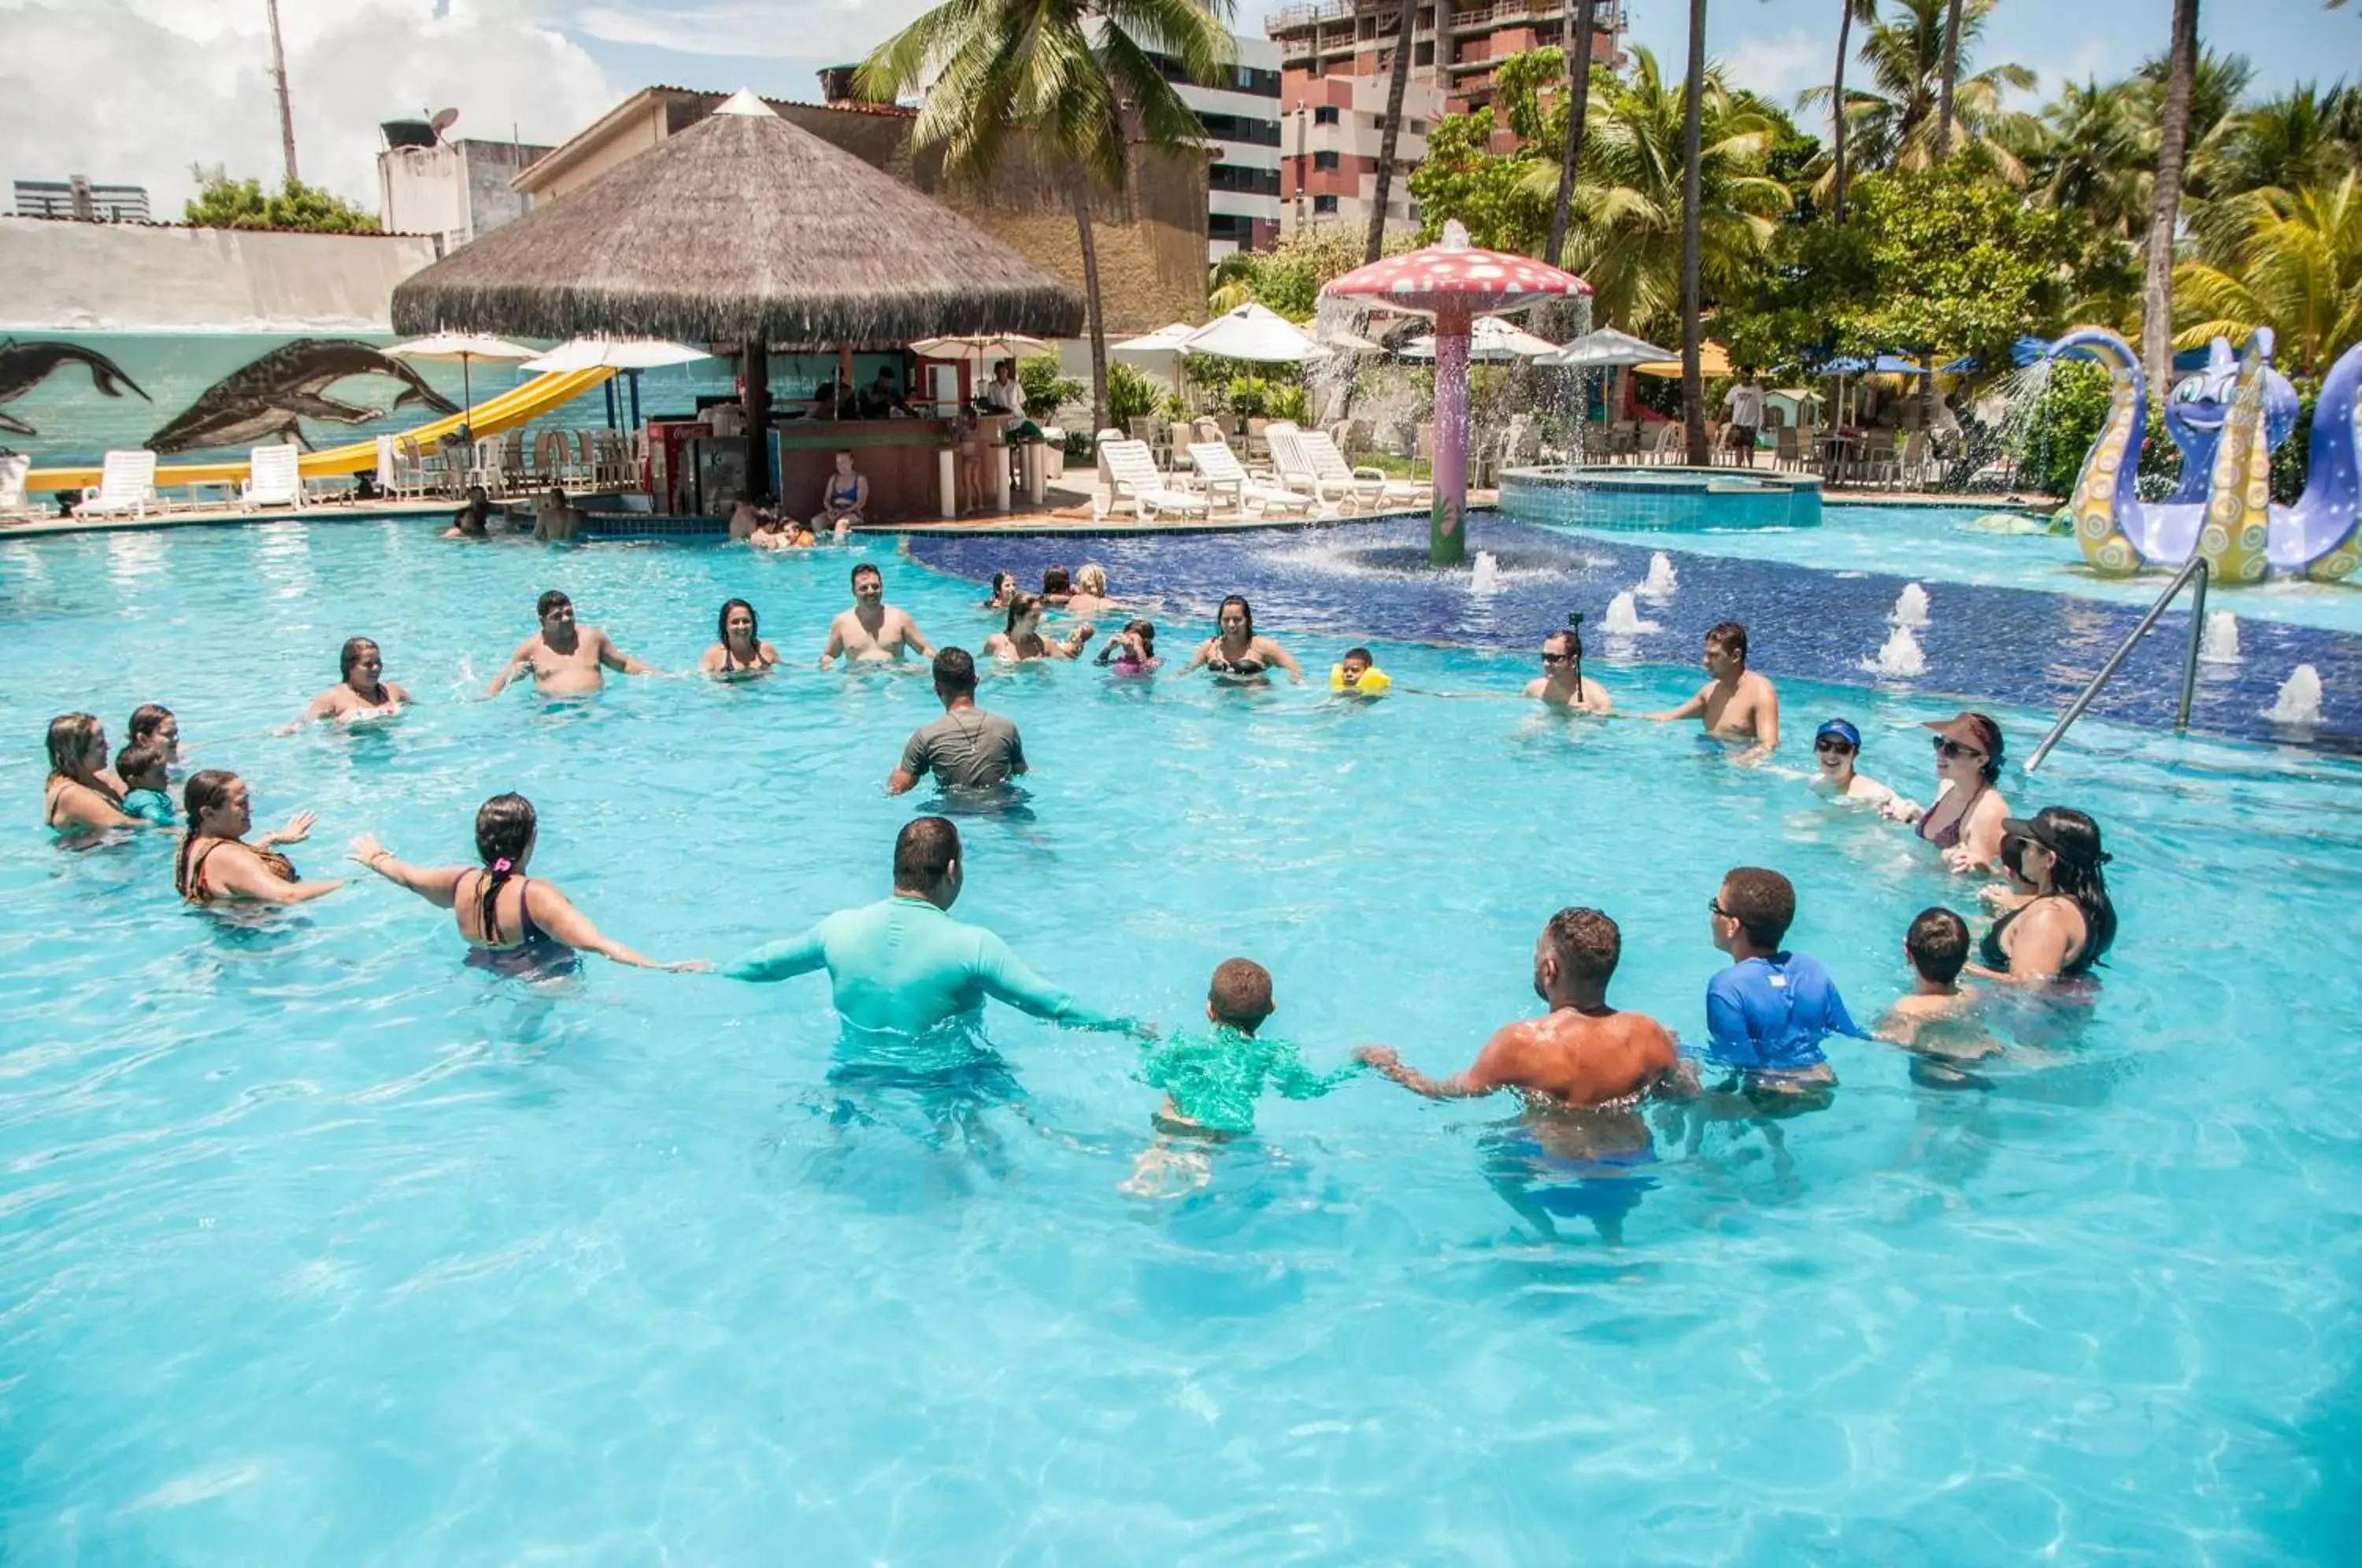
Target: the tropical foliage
(2288, 260)
(223, 203)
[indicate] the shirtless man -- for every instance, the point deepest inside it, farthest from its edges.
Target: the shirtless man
(1561, 683)
(1736, 703)
(566, 659)
(556, 518)
(364, 693)
(869, 630)
(1581, 1054)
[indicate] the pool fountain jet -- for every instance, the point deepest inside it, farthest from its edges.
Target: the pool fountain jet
(2219, 642)
(1662, 580)
(2298, 706)
(1910, 606)
(1455, 282)
(1624, 617)
(1484, 577)
(1899, 656)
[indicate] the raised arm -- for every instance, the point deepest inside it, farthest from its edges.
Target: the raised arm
(616, 659)
(1282, 658)
(1481, 1077)
(246, 875)
(556, 914)
(1005, 976)
(439, 885)
(519, 656)
(1295, 1081)
(780, 960)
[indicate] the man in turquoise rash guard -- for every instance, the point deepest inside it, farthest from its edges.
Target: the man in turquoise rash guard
(902, 966)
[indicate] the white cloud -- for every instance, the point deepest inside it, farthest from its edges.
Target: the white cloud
(837, 31)
(2093, 58)
(135, 91)
(1779, 68)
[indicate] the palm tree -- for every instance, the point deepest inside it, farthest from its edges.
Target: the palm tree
(1078, 73)
(1578, 80)
(2291, 262)
(1692, 135)
(2097, 157)
(1399, 83)
(1624, 215)
(2174, 140)
(1893, 125)
(1849, 13)
(2302, 136)
(1952, 78)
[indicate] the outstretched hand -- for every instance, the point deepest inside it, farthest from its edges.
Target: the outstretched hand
(298, 829)
(368, 850)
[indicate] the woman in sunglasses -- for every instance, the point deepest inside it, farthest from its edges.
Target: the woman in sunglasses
(1965, 822)
(2068, 924)
(1835, 746)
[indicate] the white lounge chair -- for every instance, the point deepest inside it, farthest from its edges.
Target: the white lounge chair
(16, 506)
(126, 486)
(1219, 470)
(1133, 479)
(274, 476)
(1308, 461)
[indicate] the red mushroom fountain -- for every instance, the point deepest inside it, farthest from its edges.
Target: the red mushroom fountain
(1454, 282)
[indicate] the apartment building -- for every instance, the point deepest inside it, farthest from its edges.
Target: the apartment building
(76, 198)
(1336, 61)
(1241, 121)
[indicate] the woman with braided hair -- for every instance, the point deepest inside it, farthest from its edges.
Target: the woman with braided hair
(514, 924)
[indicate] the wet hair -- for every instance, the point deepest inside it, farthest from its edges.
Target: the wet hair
(2075, 842)
(1362, 653)
(1574, 640)
(999, 577)
(505, 827)
(1240, 994)
(1020, 606)
(138, 759)
(1092, 580)
(721, 621)
(1056, 580)
(207, 788)
(552, 599)
(1586, 943)
(924, 850)
(1731, 638)
(1763, 902)
(350, 654)
(1937, 943)
(146, 720)
(871, 570)
(955, 670)
(1244, 609)
(69, 738)
(1115, 648)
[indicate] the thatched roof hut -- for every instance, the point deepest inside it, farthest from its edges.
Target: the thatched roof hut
(743, 227)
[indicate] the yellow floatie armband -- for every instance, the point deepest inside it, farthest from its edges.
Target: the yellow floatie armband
(1374, 682)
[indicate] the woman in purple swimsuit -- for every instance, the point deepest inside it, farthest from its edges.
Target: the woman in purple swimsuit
(1966, 820)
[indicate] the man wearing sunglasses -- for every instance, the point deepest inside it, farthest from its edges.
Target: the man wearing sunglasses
(1562, 684)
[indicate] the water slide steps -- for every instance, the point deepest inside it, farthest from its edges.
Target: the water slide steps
(492, 417)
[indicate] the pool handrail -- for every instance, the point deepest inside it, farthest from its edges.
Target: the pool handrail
(2195, 569)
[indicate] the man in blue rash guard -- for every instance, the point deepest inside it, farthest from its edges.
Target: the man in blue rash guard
(903, 967)
(1767, 1014)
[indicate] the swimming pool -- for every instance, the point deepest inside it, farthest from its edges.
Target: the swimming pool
(320, 1244)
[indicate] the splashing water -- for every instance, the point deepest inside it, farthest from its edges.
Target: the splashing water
(2300, 699)
(1624, 618)
(1898, 656)
(1484, 577)
(1662, 580)
(1910, 606)
(2219, 642)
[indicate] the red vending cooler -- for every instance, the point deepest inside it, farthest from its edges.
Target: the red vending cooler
(673, 481)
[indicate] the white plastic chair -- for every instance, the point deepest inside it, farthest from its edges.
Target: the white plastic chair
(1218, 469)
(1132, 478)
(1307, 460)
(274, 476)
(14, 503)
(126, 486)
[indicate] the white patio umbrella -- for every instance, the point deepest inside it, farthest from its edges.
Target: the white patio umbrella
(1604, 349)
(990, 345)
(1169, 339)
(1492, 339)
(464, 347)
(629, 355)
(1338, 340)
(1255, 333)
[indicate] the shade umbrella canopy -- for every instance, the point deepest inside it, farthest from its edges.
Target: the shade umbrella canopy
(1169, 339)
(1337, 340)
(466, 347)
(981, 345)
(615, 354)
(1253, 332)
(740, 228)
(1712, 362)
(1605, 349)
(1491, 339)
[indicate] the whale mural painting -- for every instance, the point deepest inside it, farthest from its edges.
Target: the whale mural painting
(24, 366)
(269, 398)
(2227, 426)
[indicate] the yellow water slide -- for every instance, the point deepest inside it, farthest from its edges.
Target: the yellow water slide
(512, 408)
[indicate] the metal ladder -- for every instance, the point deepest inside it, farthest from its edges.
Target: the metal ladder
(2196, 571)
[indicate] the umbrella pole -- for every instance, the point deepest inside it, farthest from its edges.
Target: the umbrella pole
(467, 403)
(1447, 537)
(755, 370)
(635, 400)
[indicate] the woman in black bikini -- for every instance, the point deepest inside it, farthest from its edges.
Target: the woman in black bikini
(79, 796)
(216, 863)
(514, 925)
(742, 651)
(2068, 924)
(1236, 655)
(1023, 640)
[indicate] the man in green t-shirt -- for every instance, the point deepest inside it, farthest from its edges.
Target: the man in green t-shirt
(1212, 1081)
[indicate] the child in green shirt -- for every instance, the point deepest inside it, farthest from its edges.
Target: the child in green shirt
(140, 766)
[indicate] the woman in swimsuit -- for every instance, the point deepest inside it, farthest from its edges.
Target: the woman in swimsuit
(1023, 640)
(215, 861)
(846, 498)
(1965, 822)
(1004, 589)
(2068, 924)
(742, 651)
(151, 723)
(1236, 653)
(80, 794)
(1090, 597)
(514, 925)
(472, 521)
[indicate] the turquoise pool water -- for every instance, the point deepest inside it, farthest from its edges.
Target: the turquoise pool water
(1937, 545)
(321, 1248)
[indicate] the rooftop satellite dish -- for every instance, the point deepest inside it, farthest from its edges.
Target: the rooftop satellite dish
(444, 119)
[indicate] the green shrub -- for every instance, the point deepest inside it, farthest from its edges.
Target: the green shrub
(1046, 390)
(1130, 395)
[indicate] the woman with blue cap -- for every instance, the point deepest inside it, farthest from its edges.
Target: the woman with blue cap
(1835, 746)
